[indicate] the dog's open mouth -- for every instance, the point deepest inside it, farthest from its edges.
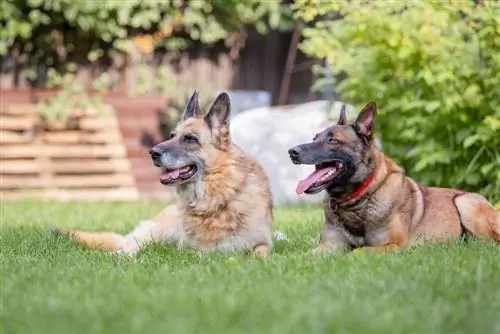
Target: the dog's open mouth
(320, 178)
(170, 176)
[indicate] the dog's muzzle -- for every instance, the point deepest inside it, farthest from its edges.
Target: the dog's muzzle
(294, 153)
(304, 154)
(156, 154)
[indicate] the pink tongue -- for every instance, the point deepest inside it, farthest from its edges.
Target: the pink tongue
(170, 175)
(174, 174)
(311, 179)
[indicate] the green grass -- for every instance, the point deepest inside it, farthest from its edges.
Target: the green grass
(50, 286)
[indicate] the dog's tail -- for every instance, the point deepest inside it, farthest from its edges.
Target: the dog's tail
(96, 240)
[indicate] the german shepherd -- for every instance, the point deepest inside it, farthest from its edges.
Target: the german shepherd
(224, 201)
(371, 205)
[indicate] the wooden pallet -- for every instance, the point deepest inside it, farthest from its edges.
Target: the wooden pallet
(86, 164)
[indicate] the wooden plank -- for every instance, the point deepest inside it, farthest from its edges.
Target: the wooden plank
(91, 181)
(91, 166)
(109, 136)
(98, 123)
(9, 137)
(76, 137)
(63, 151)
(20, 151)
(62, 137)
(114, 194)
(86, 151)
(58, 181)
(25, 166)
(18, 109)
(20, 182)
(16, 123)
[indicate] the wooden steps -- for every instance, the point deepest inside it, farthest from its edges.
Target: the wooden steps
(87, 163)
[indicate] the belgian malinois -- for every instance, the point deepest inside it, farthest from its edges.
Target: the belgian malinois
(224, 201)
(371, 205)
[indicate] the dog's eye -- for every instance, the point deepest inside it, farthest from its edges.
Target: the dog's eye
(189, 138)
(333, 140)
(171, 135)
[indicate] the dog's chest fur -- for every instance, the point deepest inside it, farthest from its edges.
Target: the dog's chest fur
(228, 231)
(226, 222)
(206, 231)
(220, 213)
(361, 227)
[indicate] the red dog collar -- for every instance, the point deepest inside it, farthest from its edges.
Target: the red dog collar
(336, 203)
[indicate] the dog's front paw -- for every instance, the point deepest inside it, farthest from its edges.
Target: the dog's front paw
(262, 251)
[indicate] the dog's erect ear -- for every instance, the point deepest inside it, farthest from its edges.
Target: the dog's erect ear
(217, 120)
(218, 115)
(342, 117)
(192, 108)
(366, 119)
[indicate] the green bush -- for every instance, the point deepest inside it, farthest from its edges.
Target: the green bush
(434, 69)
(71, 102)
(58, 31)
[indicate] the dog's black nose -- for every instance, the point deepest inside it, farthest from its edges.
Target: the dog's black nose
(294, 152)
(156, 153)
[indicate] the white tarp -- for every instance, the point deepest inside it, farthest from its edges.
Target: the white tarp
(267, 134)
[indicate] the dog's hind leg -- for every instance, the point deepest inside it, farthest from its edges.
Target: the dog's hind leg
(164, 228)
(145, 233)
(101, 240)
(478, 216)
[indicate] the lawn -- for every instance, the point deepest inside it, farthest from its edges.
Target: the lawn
(50, 286)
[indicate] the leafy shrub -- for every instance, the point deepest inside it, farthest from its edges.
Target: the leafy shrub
(67, 26)
(71, 103)
(434, 69)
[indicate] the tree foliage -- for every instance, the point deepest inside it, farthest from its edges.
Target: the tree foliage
(434, 69)
(57, 29)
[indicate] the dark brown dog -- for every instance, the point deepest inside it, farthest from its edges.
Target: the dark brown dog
(371, 205)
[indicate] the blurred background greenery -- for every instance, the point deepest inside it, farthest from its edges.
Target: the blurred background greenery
(92, 27)
(433, 67)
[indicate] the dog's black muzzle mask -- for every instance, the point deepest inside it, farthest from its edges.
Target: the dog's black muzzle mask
(333, 166)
